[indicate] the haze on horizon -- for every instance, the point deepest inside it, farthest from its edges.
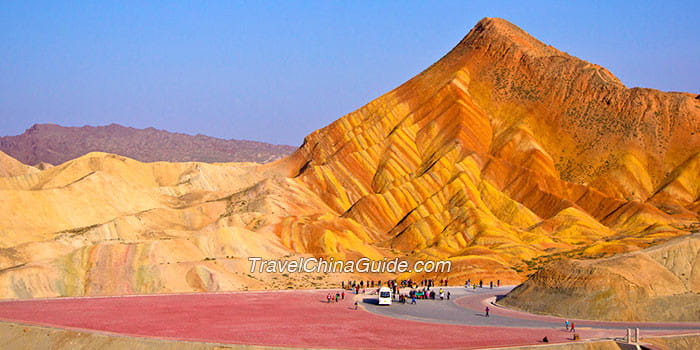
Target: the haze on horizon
(275, 72)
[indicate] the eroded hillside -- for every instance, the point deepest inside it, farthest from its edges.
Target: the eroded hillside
(507, 151)
(661, 283)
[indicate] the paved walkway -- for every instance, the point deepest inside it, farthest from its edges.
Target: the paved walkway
(283, 318)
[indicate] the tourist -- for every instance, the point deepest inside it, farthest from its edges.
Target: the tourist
(413, 299)
(566, 324)
(481, 283)
(491, 284)
(487, 312)
(448, 295)
(573, 328)
(337, 296)
(328, 298)
(342, 295)
(355, 305)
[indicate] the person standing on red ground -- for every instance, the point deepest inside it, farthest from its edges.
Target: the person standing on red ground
(342, 295)
(573, 328)
(566, 324)
(487, 312)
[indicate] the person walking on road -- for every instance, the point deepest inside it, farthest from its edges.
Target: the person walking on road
(342, 295)
(566, 323)
(573, 328)
(413, 299)
(487, 312)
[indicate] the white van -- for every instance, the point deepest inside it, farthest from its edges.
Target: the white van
(384, 296)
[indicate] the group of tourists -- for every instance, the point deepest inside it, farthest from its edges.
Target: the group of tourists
(468, 283)
(338, 296)
(393, 284)
(424, 293)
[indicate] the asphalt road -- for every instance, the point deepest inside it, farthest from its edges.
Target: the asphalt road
(467, 307)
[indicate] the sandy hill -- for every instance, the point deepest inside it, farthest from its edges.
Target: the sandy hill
(12, 167)
(503, 155)
(661, 283)
(54, 144)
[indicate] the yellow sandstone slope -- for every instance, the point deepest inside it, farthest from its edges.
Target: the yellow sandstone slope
(104, 224)
(503, 155)
(12, 167)
(661, 283)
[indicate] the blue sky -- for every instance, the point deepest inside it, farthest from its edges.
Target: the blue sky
(276, 71)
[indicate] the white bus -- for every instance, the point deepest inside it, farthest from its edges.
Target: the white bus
(384, 296)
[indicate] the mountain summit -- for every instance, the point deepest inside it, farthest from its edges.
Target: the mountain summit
(507, 150)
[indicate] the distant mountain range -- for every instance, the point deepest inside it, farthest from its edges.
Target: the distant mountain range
(55, 144)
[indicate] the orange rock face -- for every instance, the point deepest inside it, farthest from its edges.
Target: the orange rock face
(503, 155)
(506, 152)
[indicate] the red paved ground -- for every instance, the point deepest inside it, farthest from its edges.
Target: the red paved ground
(298, 319)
